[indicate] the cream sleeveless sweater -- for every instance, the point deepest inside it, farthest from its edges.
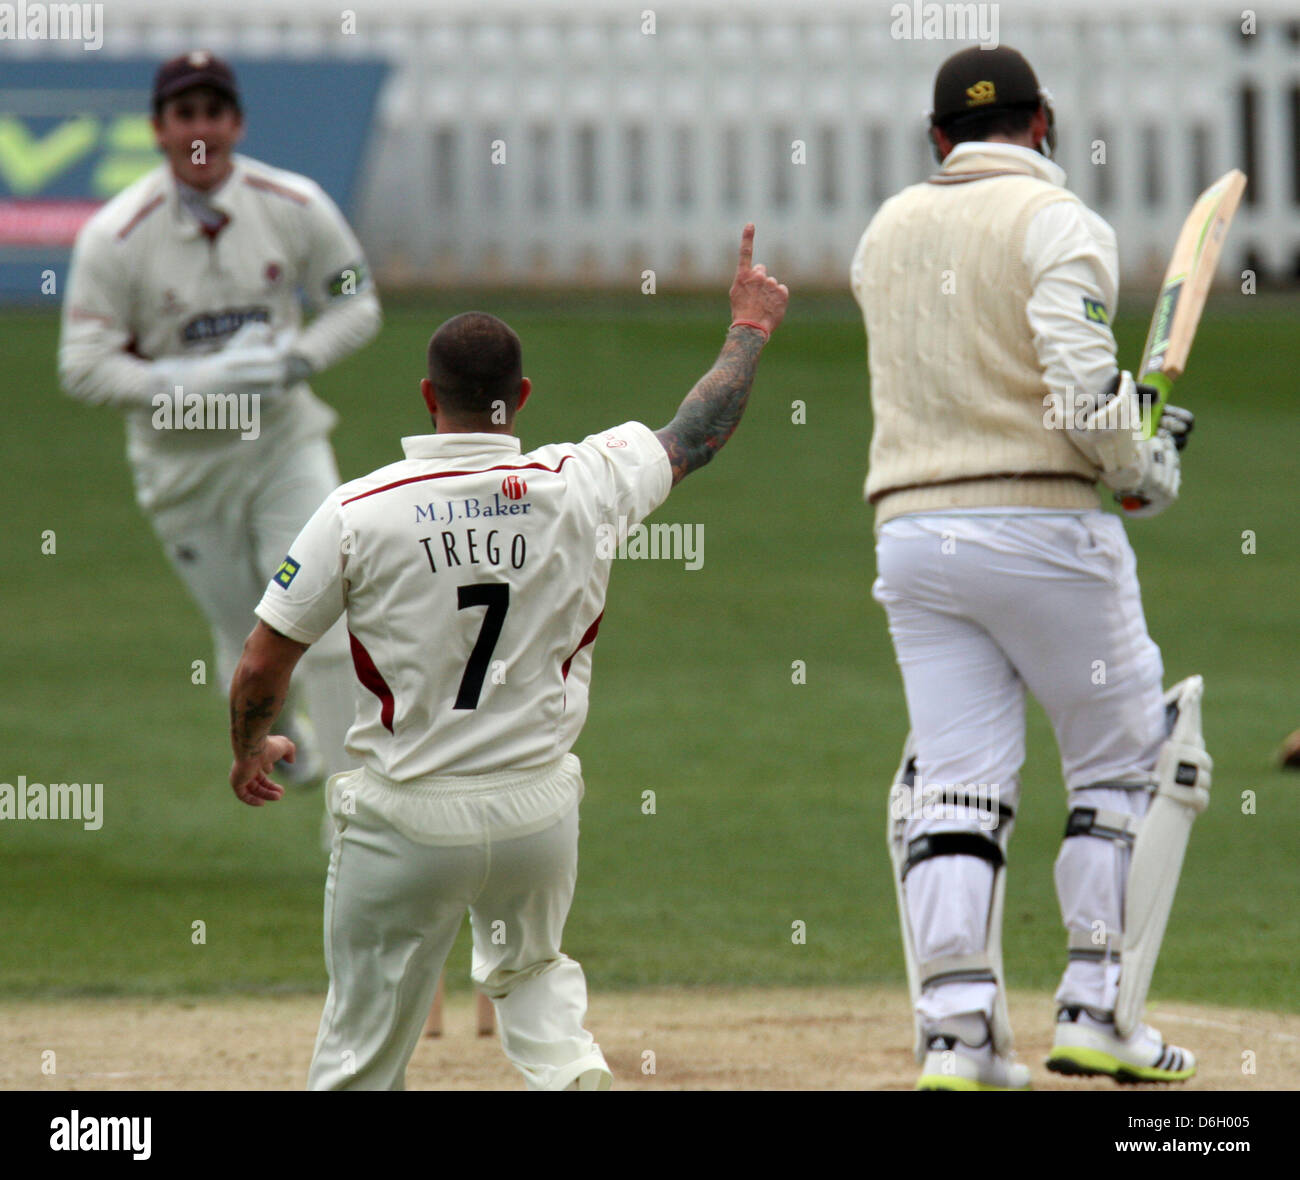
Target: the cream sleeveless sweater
(956, 387)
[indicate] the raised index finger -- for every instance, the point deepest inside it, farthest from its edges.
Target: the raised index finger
(747, 246)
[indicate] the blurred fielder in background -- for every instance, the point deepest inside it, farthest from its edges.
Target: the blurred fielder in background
(473, 579)
(987, 294)
(184, 308)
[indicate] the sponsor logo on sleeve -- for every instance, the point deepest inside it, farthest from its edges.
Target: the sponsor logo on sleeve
(1095, 311)
(349, 281)
(286, 573)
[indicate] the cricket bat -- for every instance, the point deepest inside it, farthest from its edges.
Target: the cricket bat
(1184, 290)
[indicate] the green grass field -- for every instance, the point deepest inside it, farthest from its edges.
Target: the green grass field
(770, 795)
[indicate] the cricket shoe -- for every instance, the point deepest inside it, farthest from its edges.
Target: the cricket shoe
(593, 1079)
(953, 1064)
(589, 1073)
(1088, 1047)
(308, 767)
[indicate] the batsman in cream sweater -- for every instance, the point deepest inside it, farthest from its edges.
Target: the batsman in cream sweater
(998, 408)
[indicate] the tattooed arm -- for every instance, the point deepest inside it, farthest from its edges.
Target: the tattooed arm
(711, 411)
(257, 694)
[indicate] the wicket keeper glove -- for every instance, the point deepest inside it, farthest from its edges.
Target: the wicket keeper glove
(250, 363)
(296, 366)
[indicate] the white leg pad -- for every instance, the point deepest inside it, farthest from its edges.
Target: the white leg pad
(1182, 793)
(967, 973)
(1090, 873)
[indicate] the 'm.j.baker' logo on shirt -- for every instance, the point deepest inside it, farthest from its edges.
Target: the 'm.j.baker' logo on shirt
(509, 501)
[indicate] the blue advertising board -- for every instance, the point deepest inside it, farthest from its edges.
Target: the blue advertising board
(74, 133)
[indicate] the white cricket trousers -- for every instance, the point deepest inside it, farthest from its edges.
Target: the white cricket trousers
(393, 907)
(226, 519)
(981, 607)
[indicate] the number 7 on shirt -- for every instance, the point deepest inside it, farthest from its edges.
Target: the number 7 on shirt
(496, 597)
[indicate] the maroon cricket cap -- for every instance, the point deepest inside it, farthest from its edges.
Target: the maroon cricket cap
(199, 68)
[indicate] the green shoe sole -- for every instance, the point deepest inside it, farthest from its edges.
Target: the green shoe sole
(936, 1081)
(1093, 1063)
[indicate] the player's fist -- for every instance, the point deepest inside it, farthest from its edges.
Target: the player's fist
(250, 776)
(756, 296)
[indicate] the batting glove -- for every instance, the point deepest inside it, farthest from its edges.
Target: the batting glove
(1177, 423)
(1158, 483)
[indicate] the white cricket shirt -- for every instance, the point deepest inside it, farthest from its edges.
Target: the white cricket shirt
(473, 578)
(148, 281)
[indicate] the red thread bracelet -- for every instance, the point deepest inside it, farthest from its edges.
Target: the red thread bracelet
(750, 324)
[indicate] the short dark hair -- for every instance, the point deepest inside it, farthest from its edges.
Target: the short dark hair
(475, 361)
(981, 124)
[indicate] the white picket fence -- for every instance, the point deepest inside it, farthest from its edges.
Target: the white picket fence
(567, 142)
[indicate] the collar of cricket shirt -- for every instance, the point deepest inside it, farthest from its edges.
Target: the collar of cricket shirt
(459, 446)
(974, 156)
(218, 200)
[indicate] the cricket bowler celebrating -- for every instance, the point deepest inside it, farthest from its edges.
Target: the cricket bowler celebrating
(183, 309)
(473, 580)
(987, 294)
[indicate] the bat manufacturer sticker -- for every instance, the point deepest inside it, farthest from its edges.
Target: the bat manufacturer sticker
(1164, 317)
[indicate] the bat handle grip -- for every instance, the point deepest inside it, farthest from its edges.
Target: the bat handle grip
(1153, 391)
